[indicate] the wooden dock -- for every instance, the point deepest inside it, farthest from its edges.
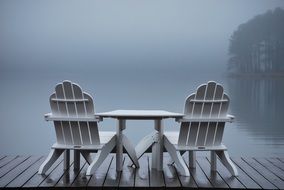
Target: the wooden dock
(254, 173)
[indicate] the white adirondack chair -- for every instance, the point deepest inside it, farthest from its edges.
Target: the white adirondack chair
(202, 128)
(76, 128)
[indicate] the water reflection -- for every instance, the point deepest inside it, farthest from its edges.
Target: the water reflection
(256, 103)
(258, 106)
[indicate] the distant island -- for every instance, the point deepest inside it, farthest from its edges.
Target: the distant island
(257, 46)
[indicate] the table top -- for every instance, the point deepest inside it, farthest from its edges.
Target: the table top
(140, 114)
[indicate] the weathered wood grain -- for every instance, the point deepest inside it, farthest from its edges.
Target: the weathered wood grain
(254, 173)
(26, 175)
(16, 171)
(250, 171)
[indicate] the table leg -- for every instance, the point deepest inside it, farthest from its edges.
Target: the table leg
(119, 143)
(76, 160)
(157, 148)
(130, 150)
(192, 159)
(66, 159)
(144, 144)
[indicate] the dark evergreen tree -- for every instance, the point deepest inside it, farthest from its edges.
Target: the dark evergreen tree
(258, 45)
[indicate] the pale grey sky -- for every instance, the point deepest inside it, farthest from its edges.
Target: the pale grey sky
(104, 34)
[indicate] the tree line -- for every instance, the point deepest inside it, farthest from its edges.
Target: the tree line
(257, 46)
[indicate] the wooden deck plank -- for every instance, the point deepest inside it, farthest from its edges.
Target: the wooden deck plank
(142, 178)
(70, 175)
(1, 157)
(11, 165)
(245, 179)
(81, 181)
(198, 175)
(26, 175)
(170, 174)
(6, 160)
(259, 179)
(127, 178)
(186, 182)
(276, 181)
(254, 173)
(38, 179)
(55, 175)
(232, 182)
(276, 162)
(156, 177)
(113, 176)
(281, 159)
(6, 179)
(278, 172)
(98, 178)
(213, 176)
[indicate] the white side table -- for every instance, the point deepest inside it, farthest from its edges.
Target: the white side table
(154, 139)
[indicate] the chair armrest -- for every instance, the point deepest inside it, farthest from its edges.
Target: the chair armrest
(50, 117)
(99, 118)
(47, 116)
(232, 118)
(228, 118)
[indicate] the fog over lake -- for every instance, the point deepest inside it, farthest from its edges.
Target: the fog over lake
(130, 55)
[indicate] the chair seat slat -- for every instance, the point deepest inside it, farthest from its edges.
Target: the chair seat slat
(208, 101)
(77, 147)
(69, 100)
(201, 148)
(206, 119)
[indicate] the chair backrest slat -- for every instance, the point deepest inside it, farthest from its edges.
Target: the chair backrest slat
(200, 139)
(209, 101)
(218, 96)
(69, 100)
(209, 95)
(198, 108)
(85, 133)
(184, 127)
(192, 133)
(61, 105)
(79, 105)
(211, 134)
(67, 132)
(94, 133)
(224, 106)
(219, 133)
(76, 133)
(59, 132)
(68, 94)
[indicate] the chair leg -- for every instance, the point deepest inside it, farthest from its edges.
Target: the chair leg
(76, 160)
(87, 156)
(176, 156)
(130, 150)
(192, 159)
(101, 155)
(225, 159)
(66, 160)
(213, 161)
(51, 158)
(171, 162)
(144, 144)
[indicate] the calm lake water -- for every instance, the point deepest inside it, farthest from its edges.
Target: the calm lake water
(256, 103)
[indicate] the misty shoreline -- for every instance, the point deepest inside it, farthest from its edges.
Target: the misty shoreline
(257, 75)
